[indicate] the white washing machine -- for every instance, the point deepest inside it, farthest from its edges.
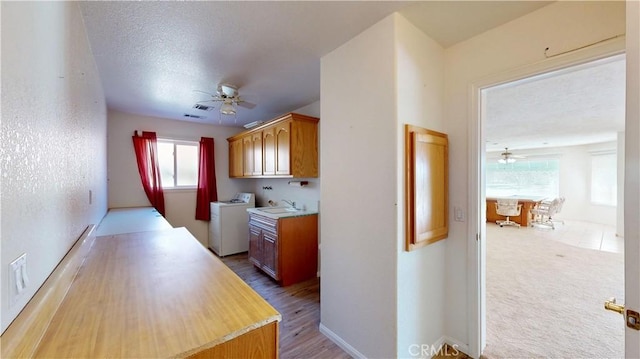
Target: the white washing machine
(229, 225)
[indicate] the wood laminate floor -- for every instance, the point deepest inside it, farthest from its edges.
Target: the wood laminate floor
(299, 305)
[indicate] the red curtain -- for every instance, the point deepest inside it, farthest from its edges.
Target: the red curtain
(146, 148)
(207, 190)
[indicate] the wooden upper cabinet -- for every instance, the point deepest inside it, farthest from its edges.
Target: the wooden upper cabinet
(247, 155)
(256, 143)
(235, 158)
(269, 151)
(284, 147)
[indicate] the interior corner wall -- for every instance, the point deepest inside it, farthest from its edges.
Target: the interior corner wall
(358, 194)
(125, 188)
(53, 141)
(421, 273)
(560, 26)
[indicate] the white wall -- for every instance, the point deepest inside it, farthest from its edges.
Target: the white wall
(421, 273)
(125, 188)
(53, 140)
(359, 193)
(575, 185)
(560, 26)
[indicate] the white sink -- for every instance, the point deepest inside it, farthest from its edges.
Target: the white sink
(277, 210)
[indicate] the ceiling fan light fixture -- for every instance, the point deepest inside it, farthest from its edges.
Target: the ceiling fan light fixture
(506, 157)
(227, 109)
(506, 160)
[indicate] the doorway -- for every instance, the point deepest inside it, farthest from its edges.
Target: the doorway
(486, 155)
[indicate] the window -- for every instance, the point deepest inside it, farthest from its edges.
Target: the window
(178, 163)
(604, 178)
(530, 177)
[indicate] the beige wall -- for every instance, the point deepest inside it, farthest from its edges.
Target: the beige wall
(355, 236)
(394, 74)
(510, 48)
(53, 140)
(420, 273)
(125, 188)
(358, 194)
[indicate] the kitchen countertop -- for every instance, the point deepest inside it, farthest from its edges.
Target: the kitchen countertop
(280, 212)
(153, 294)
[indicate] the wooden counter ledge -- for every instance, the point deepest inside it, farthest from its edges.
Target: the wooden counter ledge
(159, 294)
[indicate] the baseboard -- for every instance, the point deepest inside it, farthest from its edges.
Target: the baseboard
(456, 344)
(22, 337)
(340, 342)
(440, 343)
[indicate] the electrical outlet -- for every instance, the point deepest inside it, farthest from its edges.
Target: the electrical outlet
(18, 278)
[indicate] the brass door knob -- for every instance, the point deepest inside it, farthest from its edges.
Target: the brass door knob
(611, 305)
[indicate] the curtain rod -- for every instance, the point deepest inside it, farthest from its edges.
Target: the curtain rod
(581, 47)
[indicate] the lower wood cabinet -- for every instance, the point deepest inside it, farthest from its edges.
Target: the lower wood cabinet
(286, 248)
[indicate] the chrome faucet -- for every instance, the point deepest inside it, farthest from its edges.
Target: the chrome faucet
(290, 203)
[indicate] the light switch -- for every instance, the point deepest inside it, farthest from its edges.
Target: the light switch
(458, 214)
(19, 279)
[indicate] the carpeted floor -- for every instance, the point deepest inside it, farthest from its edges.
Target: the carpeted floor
(545, 298)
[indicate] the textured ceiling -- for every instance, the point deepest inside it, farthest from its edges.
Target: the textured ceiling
(152, 56)
(583, 104)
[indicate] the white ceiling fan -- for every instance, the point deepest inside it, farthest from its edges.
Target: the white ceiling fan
(228, 95)
(508, 157)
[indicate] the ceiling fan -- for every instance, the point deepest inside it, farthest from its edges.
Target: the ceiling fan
(228, 95)
(508, 157)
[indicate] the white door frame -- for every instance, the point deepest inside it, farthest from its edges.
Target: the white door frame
(476, 249)
(632, 175)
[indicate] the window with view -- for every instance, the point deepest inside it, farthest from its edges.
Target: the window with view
(529, 177)
(178, 162)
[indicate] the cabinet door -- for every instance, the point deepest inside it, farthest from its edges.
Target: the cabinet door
(235, 158)
(256, 144)
(283, 148)
(270, 254)
(269, 152)
(247, 156)
(427, 178)
(255, 246)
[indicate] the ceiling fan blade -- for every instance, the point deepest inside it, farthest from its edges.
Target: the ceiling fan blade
(245, 104)
(204, 92)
